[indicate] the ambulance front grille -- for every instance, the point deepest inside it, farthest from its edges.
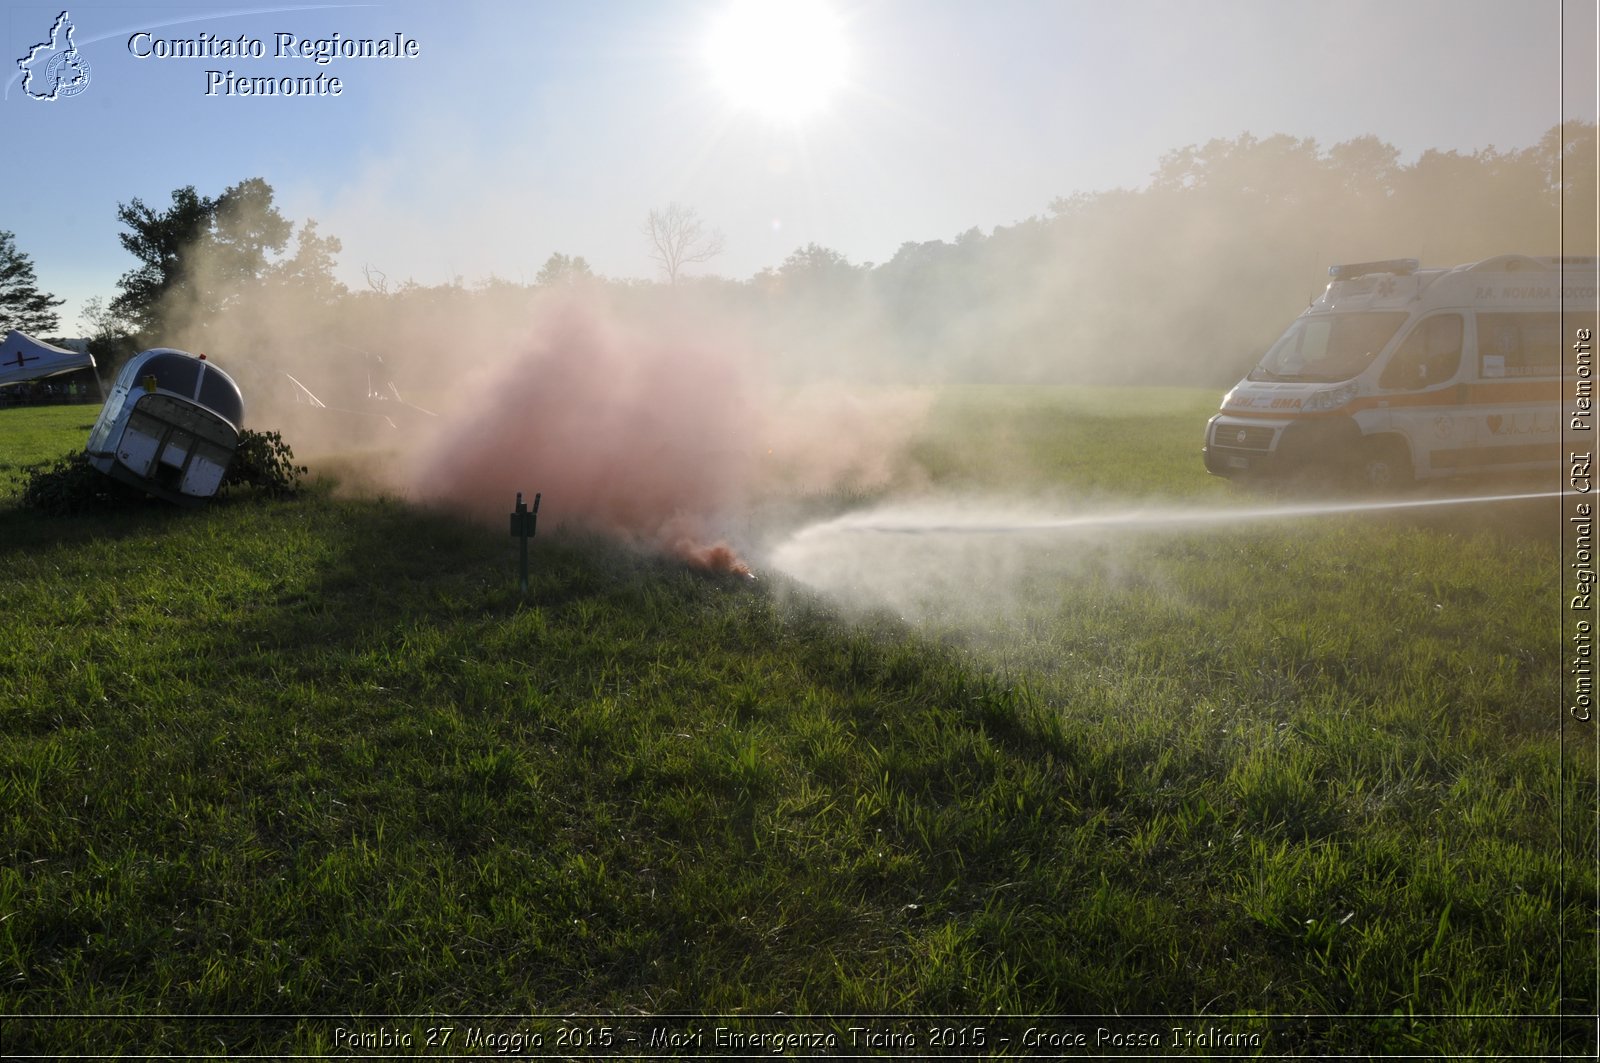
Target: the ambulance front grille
(1242, 437)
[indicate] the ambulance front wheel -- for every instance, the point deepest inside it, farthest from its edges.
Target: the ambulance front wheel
(1383, 466)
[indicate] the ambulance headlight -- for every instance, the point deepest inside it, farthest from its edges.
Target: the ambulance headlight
(1332, 398)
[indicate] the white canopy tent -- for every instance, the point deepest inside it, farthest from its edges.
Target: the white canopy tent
(25, 358)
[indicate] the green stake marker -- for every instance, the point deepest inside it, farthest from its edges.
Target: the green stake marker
(523, 523)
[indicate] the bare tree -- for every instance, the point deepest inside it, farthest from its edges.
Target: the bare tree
(678, 238)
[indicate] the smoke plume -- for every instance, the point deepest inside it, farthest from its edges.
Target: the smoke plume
(648, 437)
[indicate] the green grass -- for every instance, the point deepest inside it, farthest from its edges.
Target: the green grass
(318, 756)
(35, 434)
(1113, 440)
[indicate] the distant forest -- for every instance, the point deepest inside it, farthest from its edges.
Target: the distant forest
(1182, 281)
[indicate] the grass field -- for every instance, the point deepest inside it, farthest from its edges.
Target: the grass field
(273, 764)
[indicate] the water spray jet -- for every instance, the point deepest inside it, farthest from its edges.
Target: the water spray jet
(979, 564)
(862, 523)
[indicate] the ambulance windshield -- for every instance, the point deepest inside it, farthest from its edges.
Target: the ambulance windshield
(1328, 348)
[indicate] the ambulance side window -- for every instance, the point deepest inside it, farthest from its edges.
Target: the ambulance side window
(1430, 355)
(1519, 345)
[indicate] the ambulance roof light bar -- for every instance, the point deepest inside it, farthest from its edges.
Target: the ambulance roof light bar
(1398, 266)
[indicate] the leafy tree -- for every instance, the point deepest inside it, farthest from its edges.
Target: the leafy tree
(814, 270)
(1566, 156)
(566, 270)
(22, 305)
(200, 255)
(164, 243)
(678, 238)
(1365, 167)
(919, 285)
(1279, 168)
(309, 271)
(245, 227)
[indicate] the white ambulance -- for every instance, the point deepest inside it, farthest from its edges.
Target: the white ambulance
(1398, 373)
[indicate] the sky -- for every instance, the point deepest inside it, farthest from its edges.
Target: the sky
(517, 130)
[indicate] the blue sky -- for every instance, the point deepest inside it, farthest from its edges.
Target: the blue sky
(524, 129)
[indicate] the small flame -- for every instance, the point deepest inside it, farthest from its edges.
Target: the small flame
(719, 558)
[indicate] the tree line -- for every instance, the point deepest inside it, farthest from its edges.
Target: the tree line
(1183, 281)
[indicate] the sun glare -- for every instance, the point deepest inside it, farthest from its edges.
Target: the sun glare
(783, 59)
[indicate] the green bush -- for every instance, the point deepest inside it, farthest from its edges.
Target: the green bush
(69, 484)
(264, 461)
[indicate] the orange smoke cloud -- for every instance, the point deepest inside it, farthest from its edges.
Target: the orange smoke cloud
(647, 437)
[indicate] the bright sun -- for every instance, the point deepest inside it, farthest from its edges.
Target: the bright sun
(783, 59)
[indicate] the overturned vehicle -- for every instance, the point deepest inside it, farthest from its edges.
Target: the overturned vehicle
(170, 426)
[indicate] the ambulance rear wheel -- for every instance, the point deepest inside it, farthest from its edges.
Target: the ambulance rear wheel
(1384, 466)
